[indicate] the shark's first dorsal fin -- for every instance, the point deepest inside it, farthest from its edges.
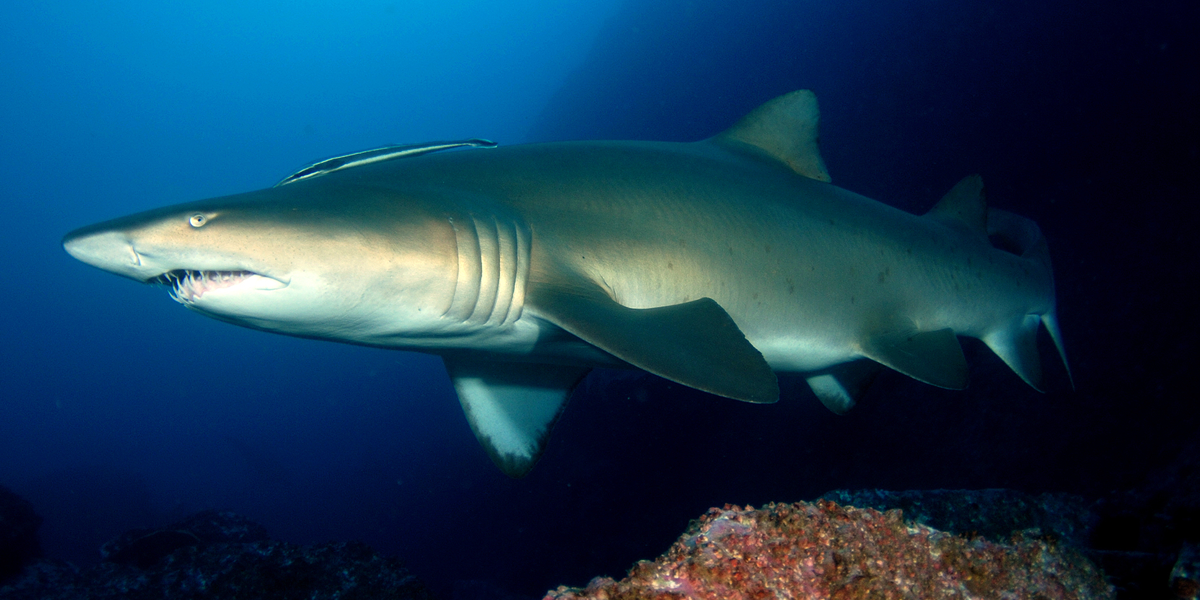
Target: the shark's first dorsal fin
(965, 205)
(375, 155)
(786, 128)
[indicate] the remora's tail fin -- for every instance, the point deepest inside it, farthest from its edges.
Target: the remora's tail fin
(1017, 345)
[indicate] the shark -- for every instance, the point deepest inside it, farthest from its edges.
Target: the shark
(716, 264)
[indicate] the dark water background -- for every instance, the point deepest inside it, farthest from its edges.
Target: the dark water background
(121, 409)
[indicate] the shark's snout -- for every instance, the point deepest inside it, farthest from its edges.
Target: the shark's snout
(108, 250)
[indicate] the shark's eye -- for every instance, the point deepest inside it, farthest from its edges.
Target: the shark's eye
(198, 221)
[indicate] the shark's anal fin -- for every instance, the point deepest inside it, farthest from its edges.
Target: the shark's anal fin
(1016, 345)
(512, 406)
(841, 386)
(934, 357)
(694, 343)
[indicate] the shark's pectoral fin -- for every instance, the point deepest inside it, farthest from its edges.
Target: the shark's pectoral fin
(841, 386)
(512, 406)
(934, 357)
(695, 343)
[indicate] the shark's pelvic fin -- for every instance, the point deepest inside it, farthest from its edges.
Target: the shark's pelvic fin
(695, 343)
(841, 386)
(786, 128)
(965, 205)
(512, 406)
(934, 357)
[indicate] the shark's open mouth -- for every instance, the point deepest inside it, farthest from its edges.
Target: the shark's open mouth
(187, 285)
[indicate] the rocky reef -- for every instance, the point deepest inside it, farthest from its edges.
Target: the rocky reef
(991, 513)
(218, 555)
(18, 533)
(990, 543)
(825, 550)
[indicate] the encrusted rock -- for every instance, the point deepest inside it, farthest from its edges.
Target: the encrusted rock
(993, 513)
(1185, 576)
(219, 555)
(144, 547)
(823, 550)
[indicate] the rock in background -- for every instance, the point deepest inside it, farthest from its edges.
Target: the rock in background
(994, 514)
(825, 550)
(219, 555)
(18, 533)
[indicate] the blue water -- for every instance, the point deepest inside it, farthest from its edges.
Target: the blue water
(120, 408)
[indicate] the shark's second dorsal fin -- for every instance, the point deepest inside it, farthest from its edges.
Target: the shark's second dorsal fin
(965, 205)
(786, 128)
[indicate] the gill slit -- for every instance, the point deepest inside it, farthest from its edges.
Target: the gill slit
(492, 270)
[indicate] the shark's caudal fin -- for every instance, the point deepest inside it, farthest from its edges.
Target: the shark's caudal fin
(965, 207)
(1017, 344)
(935, 357)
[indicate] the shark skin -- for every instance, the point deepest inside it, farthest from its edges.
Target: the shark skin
(714, 264)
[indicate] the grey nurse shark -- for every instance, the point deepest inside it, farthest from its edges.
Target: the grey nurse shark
(713, 264)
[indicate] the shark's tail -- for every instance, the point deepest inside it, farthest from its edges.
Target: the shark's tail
(1017, 345)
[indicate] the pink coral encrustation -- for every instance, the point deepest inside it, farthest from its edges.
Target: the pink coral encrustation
(822, 550)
